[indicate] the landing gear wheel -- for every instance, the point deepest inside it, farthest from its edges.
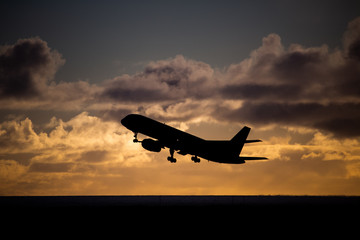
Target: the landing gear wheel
(171, 158)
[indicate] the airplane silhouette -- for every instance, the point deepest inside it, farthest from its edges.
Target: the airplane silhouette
(185, 143)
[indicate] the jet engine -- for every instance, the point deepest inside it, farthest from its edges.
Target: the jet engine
(151, 145)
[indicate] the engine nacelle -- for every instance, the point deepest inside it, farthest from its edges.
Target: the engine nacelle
(151, 145)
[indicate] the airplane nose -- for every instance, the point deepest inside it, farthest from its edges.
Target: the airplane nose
(129, 122)
(124, 121)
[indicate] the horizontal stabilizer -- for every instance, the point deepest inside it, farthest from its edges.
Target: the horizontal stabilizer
(253, 141)
(252, 158)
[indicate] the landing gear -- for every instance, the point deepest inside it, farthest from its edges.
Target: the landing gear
(171, 158)
(195, 159)
(135, 138)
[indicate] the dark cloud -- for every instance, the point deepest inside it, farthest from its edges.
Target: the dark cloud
(93, 156)
(265, 92)
(299, 74)
(299, 86)
(172, 79)
(312, 87)
(300, 68)
(354, 50)
(50, 167)
(341, 119)
(351, 39)
(26, 67)
(117, 92)
(341, 127)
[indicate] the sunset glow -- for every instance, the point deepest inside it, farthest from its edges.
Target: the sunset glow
(60, 131)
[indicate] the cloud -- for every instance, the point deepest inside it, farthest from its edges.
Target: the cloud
(341, 119)
(50, 167)
(85, 146)
(19, 137)
(255, 92)
(173, 79)
(11, 170)
(297, 74)
(313, 87)
(82, 139)
(298, 86)
(27, 70)
(351, 39)
(88, 155)
(26, 67)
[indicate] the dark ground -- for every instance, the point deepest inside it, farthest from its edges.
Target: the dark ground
(170, 201)
(248, 206)
(302, 216)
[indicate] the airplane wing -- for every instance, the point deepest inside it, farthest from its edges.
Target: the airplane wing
(253, 158)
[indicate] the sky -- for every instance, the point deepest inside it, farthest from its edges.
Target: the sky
(71, 70)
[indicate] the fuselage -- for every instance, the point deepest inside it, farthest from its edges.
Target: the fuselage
(184, 143)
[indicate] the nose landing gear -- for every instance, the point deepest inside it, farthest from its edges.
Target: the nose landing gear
(135, 138)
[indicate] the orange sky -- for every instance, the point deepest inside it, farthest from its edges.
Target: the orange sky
(87, 155)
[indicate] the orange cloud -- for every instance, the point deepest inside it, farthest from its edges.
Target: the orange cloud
(87, 155)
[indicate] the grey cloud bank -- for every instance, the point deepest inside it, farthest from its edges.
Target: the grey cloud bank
(314, 87)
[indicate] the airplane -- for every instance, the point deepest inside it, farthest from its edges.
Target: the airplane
(185, 143)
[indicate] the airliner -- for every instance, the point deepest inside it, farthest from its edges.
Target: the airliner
(162, 135)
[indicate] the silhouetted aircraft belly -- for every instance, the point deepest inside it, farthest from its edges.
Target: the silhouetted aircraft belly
(185, 143)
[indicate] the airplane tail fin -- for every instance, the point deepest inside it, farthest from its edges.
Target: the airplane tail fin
(238, 142)
(241, 136)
